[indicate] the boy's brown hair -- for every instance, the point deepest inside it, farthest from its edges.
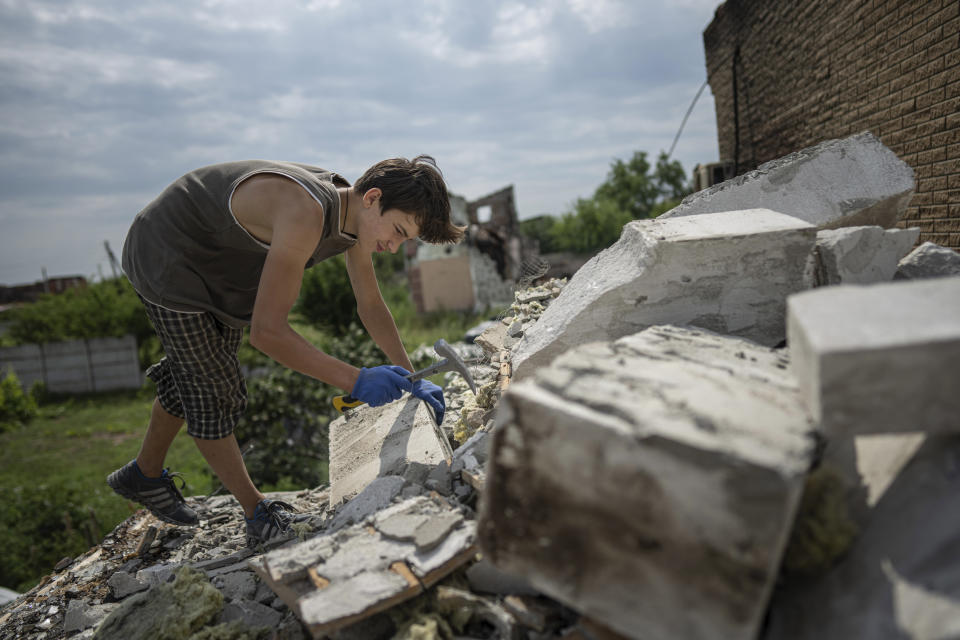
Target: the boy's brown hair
(414, 186)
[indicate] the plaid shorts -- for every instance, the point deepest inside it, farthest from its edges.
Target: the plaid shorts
(199, 378)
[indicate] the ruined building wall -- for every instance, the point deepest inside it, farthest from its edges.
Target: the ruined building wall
(786, 75)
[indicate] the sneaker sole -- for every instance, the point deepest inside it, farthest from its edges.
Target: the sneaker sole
(130, 495)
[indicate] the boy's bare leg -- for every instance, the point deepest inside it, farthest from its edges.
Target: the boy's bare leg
(161, 431)
(224, 458)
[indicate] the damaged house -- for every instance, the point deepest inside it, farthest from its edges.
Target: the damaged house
(479, 272)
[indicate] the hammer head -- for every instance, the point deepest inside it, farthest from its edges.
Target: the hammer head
(453, 362)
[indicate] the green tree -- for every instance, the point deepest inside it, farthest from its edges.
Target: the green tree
(638, 188)
(632, 190)
(326, 297)
(541, 229)
(593, 224)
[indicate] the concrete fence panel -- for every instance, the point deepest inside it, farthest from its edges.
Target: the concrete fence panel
(76, 366)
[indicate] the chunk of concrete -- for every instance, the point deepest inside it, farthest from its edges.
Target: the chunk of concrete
(122, 584)
(375, 496)
(491, 340)
(861, 255)
(650, 483)
(929, 260)
(239, 585)
(901, 578)
(730, 274)
(837, 183)
(251, 614)
(879, 358)
(397, 439)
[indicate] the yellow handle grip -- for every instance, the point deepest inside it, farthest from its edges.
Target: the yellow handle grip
(341, 403)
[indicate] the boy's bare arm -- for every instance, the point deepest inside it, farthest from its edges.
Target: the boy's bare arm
(295, 236)
(373, 311)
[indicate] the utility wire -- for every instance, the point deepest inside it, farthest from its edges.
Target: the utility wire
(692, 104)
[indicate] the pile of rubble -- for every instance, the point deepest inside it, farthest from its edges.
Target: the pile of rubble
(390, 550)
(739, 421)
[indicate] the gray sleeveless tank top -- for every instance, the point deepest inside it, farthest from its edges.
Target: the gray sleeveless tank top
(186, 251)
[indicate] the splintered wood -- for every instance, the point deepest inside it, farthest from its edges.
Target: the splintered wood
(335, 579)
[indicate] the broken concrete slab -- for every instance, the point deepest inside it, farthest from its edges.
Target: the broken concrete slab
(339, 578)
(730, 274)
(491, 340)
(838, 183)
(861, 255)
(239, 585)
(711, 438)
(375, 496)
(122, 584)
(251, 614)
(929, 260)
(858, 353)
(80, 615)
(900, 579)
(398, 439)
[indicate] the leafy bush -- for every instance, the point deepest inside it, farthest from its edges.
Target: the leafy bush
(16, 407)
(540, 228)
(42, 524)
(326, 298)
(109, 308)
(632, 190)
(594, 224)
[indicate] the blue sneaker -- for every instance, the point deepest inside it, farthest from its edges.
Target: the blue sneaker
(159, 495)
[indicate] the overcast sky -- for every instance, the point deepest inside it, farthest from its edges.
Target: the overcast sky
(105, 103)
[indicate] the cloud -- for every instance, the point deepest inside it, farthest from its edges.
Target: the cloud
(105, 103)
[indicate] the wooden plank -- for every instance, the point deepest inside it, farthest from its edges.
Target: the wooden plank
(400, 568)
(474, 479)
(318, 581)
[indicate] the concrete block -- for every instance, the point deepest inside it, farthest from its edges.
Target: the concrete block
(397, 439)
(901, 578)
(838, 183)
(650, 482)
(929, 260)
(729, 274)
(880, 358)
(861, 255)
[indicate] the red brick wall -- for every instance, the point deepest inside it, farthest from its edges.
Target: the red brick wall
(787, 74)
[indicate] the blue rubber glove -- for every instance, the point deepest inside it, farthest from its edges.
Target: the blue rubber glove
(432, 395)
(379, 385)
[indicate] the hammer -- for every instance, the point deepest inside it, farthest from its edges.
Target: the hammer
(449, 361)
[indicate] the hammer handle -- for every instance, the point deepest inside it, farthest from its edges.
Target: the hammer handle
(342, 403)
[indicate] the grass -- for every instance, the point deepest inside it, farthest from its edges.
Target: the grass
(53, 476)
(57, 464)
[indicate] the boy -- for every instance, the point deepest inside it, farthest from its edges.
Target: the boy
(225, 246)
